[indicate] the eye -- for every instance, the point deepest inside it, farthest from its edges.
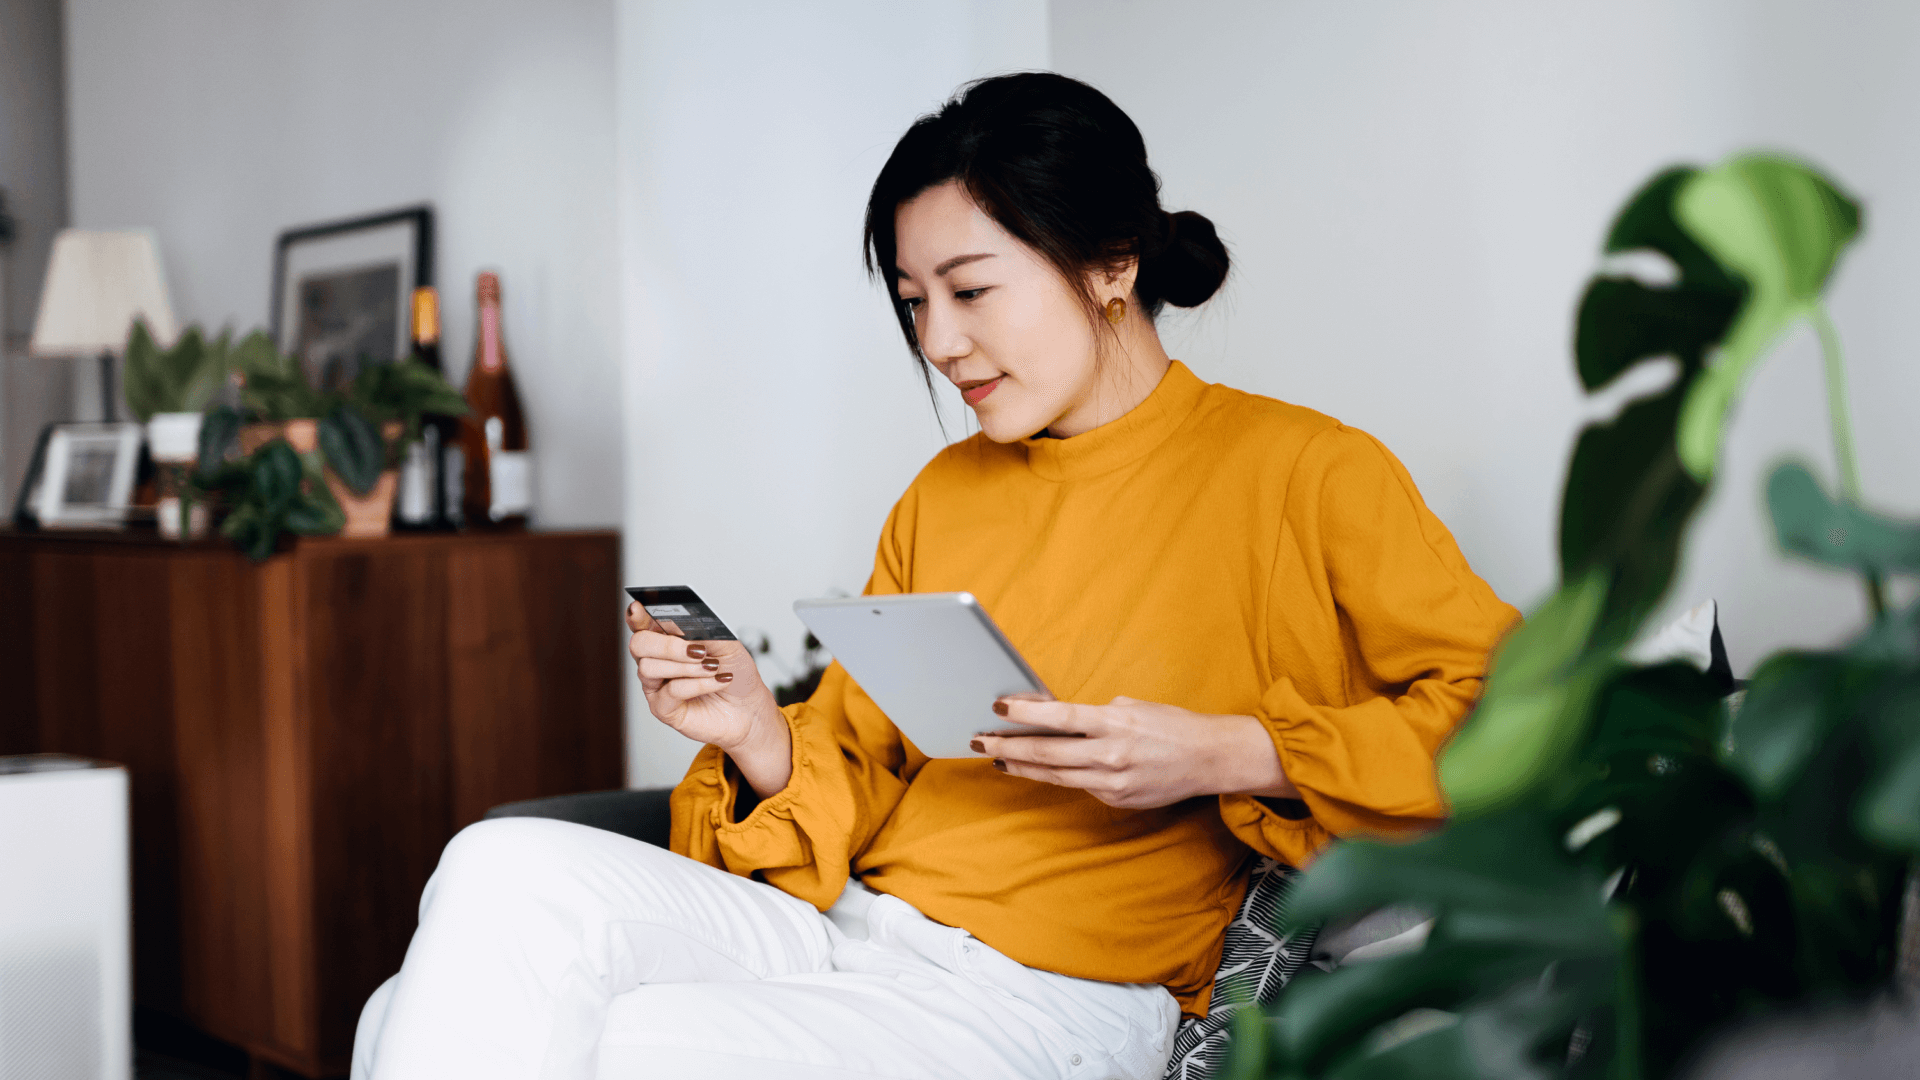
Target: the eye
(912, 303)
(967, 295)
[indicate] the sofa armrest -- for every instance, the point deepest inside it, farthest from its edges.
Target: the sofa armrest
(642, 814)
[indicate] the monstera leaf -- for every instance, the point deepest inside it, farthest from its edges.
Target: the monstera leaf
(1811, 524)
(1520, 942)
(1627, 499)
(1632, 864)
(1801, 706)
(1781, 227)
(1534, 710)
(1626, 506)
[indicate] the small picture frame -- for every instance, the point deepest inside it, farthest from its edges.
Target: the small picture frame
(81, 477)
(343, 291)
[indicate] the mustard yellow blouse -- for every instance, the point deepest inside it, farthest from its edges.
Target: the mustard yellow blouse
(1212, 549)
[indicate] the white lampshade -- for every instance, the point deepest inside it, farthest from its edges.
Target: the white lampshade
(97, 283)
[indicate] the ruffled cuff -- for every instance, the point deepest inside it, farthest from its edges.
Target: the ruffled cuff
(776, 840)
(1292, 841)
(1363, 769)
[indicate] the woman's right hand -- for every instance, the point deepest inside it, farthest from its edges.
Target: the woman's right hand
(711, 692)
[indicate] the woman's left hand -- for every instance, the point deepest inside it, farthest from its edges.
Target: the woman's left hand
(1137, 755)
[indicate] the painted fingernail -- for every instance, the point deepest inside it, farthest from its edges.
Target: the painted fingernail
(976, 747)
(999, 708)
(695, 652)
(725, 676)
(710, 664)
(998, 764)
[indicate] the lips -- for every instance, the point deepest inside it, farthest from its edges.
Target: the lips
(978, 392)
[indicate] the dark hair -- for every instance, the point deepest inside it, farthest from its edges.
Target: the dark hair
(1063, 170)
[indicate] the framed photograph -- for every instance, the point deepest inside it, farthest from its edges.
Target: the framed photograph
(81, 476)
(343, 291)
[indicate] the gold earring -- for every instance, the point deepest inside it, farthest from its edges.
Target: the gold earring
(1116, 310)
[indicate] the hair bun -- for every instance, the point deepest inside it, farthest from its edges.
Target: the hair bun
(1189, 267)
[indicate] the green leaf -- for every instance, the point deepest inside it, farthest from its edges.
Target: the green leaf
(1622, 321)
(1780, 226)
(1788, 712)
(1888, 812)
(1647, 223)
(145, 388)
(1627, 505)
(1812, 525)
(405, 390)
(353, 447)
(1520, 1034)
(256, 355)
(1508, 905)
(200, 368)
(250, 530)
(276, 472)
(1534, 709)
(315, 517)
(219, 430)
(185, 378)
(280, 397)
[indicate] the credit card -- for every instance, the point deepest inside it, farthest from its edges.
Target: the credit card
(679, 610)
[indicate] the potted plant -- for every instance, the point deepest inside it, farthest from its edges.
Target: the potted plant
(272, 490)
(396, 397)
(1636, 860)
(347, 445)
(358, 434)
(166, 389)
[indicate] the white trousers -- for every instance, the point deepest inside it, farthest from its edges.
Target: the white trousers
(553, 950)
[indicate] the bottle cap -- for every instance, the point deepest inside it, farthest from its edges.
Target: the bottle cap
(426, 314)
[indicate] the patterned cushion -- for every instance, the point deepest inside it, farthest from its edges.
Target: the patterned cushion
(1255, 963)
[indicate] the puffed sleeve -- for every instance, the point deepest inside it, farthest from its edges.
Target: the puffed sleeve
(850, 769)
(1415, 628)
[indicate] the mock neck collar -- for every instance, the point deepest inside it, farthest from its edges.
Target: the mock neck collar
(1120, 441)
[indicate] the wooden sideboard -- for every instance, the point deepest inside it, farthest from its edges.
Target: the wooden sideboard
(303, 736)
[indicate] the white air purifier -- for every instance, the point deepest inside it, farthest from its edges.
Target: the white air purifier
(66, 1006)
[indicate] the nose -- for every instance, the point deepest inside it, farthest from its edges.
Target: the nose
(941, 337)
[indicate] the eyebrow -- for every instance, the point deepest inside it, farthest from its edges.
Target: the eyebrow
(952, 264)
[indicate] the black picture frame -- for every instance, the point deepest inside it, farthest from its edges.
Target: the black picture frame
(407, 237)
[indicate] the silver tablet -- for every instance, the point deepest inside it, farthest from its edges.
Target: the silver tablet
(933, 662)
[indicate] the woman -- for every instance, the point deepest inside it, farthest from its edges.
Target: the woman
(1281, 632)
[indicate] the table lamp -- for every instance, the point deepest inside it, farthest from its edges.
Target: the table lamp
(98, 282)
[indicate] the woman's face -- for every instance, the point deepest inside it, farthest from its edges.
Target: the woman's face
(994, 316)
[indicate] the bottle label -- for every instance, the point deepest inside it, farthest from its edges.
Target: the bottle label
(490, 337)
(414, 504)
(511, 474)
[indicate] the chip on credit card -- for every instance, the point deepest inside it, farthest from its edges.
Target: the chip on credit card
(679, 610)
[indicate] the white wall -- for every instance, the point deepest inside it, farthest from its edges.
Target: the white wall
(33, 171)
(1416, 191)
(773, 413)
(221, 124)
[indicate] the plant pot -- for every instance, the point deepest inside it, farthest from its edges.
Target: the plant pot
(174, 436)
(369, 516)
(173, 441)
(303, 435)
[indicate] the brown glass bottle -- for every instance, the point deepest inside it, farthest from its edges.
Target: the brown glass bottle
(429, 493)
(498, 472)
